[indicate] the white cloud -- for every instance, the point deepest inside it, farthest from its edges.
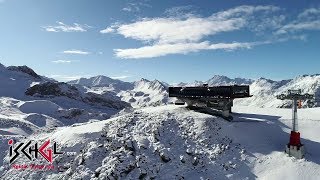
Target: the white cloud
(61, 27)
(172, 30)
(298, 26)
(135, 7)
(183, 34)
(241, 11)
(120, 77)
(107, 30)
(187, 28)
(75, 51)
(309, 13)
(62, 61)
(309, 19)
(179, 48)
(131, 7)
(180, 11)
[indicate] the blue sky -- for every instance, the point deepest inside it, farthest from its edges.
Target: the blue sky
(172, 41)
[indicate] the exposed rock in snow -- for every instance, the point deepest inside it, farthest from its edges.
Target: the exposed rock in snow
(218, 80)
(30, 103)
(223, 80)
(149, 144)
(151, 93)
(146, 93)
(163, 142)
(264, 90)
(141, 93)
(171, 142)
(52, 89)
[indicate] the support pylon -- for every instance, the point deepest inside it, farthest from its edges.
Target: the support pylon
(295, 148)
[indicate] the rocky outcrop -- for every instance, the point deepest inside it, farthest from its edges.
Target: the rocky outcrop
(24, 69)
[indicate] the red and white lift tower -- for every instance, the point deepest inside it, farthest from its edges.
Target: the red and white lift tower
(295, 148)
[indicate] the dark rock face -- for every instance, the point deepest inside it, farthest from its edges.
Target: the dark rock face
(93, 98)
(24, 69)
(53, 89)
(2, 66)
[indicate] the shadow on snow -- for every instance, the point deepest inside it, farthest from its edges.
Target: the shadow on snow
(265, 134)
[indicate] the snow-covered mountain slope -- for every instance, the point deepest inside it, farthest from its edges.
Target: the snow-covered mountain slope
(53, 89)
(24, 118)
(223, 80)
(103, 83)
(171, 142)
(264, 91)
(146, 93)
(141, 93)
(30, 102)
(150, 93)
(22, 83)
(14, 80)
(218, 80)
(18, 117)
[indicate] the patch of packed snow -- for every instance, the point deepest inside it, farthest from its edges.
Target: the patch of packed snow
(38, 106)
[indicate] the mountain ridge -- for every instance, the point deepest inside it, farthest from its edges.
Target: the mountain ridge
(146, 92)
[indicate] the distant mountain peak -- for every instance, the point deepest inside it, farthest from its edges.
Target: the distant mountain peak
(218, 80)
(220, 77)
(104, 82)
(265, 79)
(144, 80)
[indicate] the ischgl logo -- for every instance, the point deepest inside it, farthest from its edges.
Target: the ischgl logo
(32, 150)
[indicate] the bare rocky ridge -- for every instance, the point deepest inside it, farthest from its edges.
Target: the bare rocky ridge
(24, 69)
